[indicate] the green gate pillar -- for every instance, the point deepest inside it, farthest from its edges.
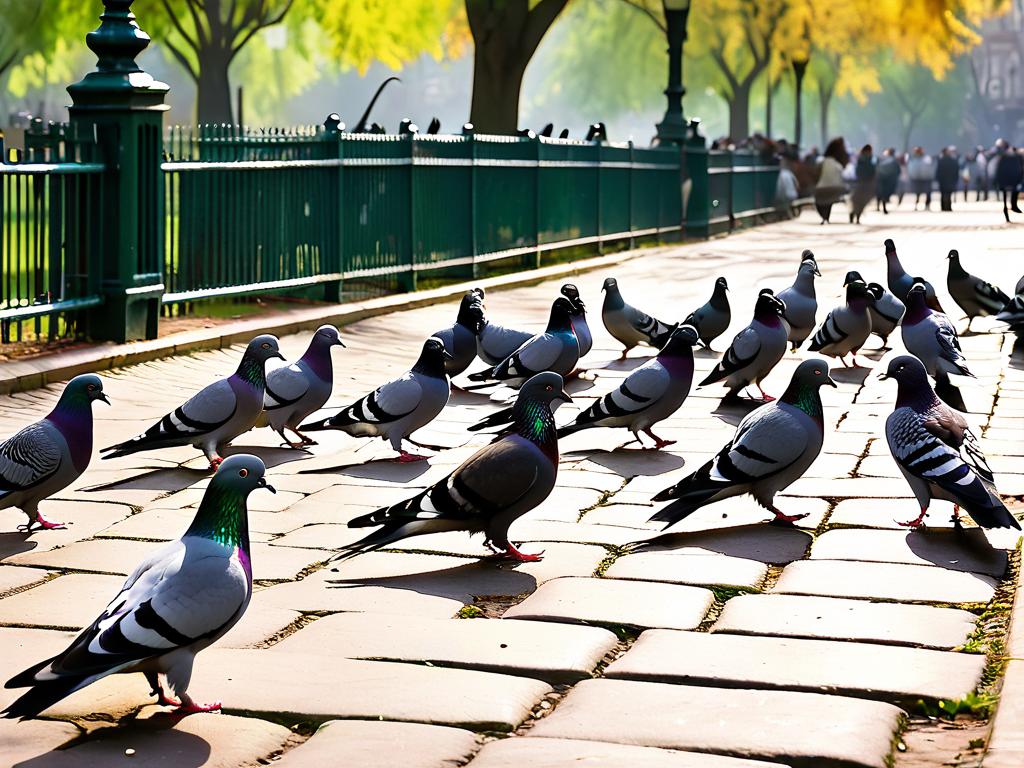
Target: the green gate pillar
(124, 107)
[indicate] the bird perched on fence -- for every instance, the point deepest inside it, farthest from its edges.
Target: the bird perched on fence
(178, 601)
(295, 391)
(495, 343)
(801, 301)
(755, 350)
(846, 328)
(900, 282)
(650, 394)
(712, 319)
(976, 297)
(931, 337)
(491, 489)
(886, 310)
(547, 130)
(627, 324)
(937, 452)
(579, 318)
(772, 448)
(556, 349)
(434, 127)
(46, 457)
(398, 408)
(459, 338)
(216, 414)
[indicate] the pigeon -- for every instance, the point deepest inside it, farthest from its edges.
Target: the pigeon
(846, 328)
(1013, 313)
(937, 452)
(495, 343)
(459, 339)
(808, 255)
(772, 448)
(1018, 289)
(490, 490)
(973, 295)
(650, 394)
(579, 318)
(755, 350)
(178, 601)
(46, 457)
(900, 282)
(556, 349)
(886, 310)
(712, 319)
(627, 324)
(931, 337)
(801, 302)
(395, 410)
(216, 414)
(295, 391)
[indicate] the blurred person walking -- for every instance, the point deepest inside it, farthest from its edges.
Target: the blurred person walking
(947, 174)
(864, 175)
(921, 172)
(976, 166)
(888, 179)
(1008, 176)
(830, 187)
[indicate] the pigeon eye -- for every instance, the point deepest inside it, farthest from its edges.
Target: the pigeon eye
(817, 371)
(265, 345)
(547, 388)
(91, 387)
(243, 472)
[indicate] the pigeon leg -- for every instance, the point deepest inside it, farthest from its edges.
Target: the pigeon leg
(521, 557)
(658, 441)
(306, 440)
(918, 521)
(215, 462)
(623, 355)
(42, 522)
(956, 517)
(765, 397)
(853, 358)
(404, 457)
(190, 707)
(781, 517)
(158, 690)
(284, 437)
(842, 359)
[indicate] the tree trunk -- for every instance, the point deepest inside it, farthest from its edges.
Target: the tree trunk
(768, 105)
(824, 101)
(213, 90)
(497, 81)
(739, 113)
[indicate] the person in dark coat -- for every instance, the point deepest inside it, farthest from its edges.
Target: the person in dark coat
(888, 179)
(947, 174)
(1009, 175)
(864, 185)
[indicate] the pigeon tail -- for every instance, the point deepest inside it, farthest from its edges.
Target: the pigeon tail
(484, 375)
(42, 695)
(691, 493)
(571, 429)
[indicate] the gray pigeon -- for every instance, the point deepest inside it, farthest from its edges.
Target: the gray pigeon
(650, 394)
(755, 350)
(846, 328)
(556, 349)
(886, 310)
(801, 302)
(46, 457)
(627, 324)
(215, 415)
(395, 410)
(297, 390)
(973, 295)
(459, 339)
(579, 318)
(1013, 314)
(931, 337)
(772, 448)
(900, 282)
(712, 319)
(496, 343)
(937, 452)
(180, 600)
(490, 490)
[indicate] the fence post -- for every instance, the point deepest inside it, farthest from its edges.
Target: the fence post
(124, 106)
(333, 128)
(698, 203)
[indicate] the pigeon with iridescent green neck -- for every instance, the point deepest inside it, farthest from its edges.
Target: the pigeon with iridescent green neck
(772, 448)
(180, 600)
(491, 489)
(215, 415)
(46, 457)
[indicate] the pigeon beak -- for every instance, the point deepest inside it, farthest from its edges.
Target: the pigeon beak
(447, 355)
(279, 356)
(831, 382)
(264, 484)
(565, 396)
(103, 396)
(817, 271)
(339, 343)
(883, 377)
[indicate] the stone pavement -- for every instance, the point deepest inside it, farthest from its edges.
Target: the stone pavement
(729, 644)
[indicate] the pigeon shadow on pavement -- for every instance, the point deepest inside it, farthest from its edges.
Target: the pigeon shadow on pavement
(271, 456)
(774, 544)
(171, 480)
(629, 364)
(461, 396)
(849, 375)
(706, 353)
(964, 549)
(630, 462)
(15, 542)
(464, 583)
(377, 469)
(735, 410)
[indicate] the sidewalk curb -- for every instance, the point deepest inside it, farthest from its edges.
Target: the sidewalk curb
(22, 375)
(1005, 748)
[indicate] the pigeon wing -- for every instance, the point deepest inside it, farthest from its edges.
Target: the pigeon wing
(766, 442)
(742, 352)
(285, 385)
(641, 389)
(28, 458)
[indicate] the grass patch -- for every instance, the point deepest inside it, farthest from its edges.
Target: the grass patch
(470, 612)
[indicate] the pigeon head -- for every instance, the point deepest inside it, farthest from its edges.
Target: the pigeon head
(561, 315)
(223, 515)
(955, 268)
(432, 358)
(917, 305)
(318, 355)
(768, 305)
(610, 284)
(328, 336)
(809, 267)
(533, 414)
(890, 247)
(546, 388)
(913, 386)
(251, 368)
(858, 295)
(802, 392)
(808, 255)
(853, 276)
(471, 312)
(721, 284)
(572, 293)
(680, 342)
(876, 291)
(81, 392)
(480, 292)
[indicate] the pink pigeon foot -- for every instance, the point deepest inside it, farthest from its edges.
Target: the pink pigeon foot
(765, 397)
(659, 442)
(781, 517)
(918, 521)
(189, 707)
(521, 557)
(406, 458)
(215, 463)
(42, 524)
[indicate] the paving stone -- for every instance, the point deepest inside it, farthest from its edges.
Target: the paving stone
(210, 741)
(260, 622)
(73, 600)
(372, 744)
(316, 594)
(17, 577)
(771, 725)
(1006, 744)
(734, 512)
(839, 619)
(82, 520)
(157, 523)
(558, 753)
(867, 670)
(969, 550)
(21, 648)
(765, 543)
(349, 689)
(887, 581)
(686, 566)
(28, 743)
(845, 487)
(616, 602)
(551, 652)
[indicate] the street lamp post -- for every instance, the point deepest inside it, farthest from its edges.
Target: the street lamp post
(672, 128)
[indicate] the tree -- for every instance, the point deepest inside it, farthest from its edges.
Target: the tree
(506, 34)
(20, 33)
